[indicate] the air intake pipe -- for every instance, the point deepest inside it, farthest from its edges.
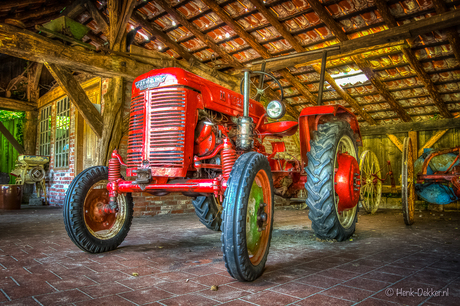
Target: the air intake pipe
(244, 140)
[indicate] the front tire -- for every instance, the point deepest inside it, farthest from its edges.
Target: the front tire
(208, 212)
(327, 141)
(91, 230)
(248, 217)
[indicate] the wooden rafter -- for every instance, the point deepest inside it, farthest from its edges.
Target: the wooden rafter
(321, 11)
(78, 97)
(422, 75)
(200, 35)
(160, 35)
(9, 4)
(430, 125)
(214, 6)
(98, 17)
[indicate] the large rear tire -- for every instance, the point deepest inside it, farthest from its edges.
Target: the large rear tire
(91, 230)
(327, 141)
(248, 217)
(208, 212)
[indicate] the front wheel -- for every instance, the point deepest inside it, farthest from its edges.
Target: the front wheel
(331, 142)
(86, 223)
(248, 217)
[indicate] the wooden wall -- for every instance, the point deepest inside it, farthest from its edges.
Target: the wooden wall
(385, 150)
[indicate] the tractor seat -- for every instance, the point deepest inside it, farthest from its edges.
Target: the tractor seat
(280, 129)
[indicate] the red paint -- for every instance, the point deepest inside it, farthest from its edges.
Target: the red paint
(347, 181)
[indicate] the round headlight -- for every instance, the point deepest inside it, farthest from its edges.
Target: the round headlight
(276, 109)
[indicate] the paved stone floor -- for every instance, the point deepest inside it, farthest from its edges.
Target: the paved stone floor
(178, 260)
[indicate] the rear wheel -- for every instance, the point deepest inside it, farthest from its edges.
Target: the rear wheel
(328, 222)
(248, 217)
(86, 223)
(208, 212)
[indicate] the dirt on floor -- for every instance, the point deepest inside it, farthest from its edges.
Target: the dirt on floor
(174, 260)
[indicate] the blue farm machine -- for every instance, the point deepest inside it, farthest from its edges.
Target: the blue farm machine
(434, 177)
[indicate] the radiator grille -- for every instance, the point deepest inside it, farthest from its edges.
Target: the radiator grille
(136, 130)
(167, 127)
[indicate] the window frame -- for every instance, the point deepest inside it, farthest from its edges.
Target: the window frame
(62, 156)
(45, 128)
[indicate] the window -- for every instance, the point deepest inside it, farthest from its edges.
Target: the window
(61, 152)
(45, 131)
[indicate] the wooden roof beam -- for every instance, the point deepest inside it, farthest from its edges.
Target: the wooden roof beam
(250, 40)
(200, 35)
(78, 97)
(409, 54)
(17, 105)
(322, 12)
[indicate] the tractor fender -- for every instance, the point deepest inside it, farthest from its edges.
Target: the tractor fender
(311, 117)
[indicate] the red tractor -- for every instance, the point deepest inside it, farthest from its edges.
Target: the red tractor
(195, 137)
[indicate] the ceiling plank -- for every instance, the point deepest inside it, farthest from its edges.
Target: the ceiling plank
(214, 6)
(365, 67)
(409, 54)
(390, 36)
(160, 35)
(78, 97)
(8, 5)
(452, 33)
(322, 12)
(200, 35)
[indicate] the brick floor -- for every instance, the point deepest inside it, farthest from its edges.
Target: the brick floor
(177, 260)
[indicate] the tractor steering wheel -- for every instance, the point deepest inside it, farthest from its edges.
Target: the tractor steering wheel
(260, 92)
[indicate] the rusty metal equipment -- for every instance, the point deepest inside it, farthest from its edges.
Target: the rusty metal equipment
(434, 177)
(192, 136)
(30, 169)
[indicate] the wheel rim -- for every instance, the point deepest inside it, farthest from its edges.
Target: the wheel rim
(407, 182)
(371, 185)
(345, 145)
(258, 217)
(103, 225)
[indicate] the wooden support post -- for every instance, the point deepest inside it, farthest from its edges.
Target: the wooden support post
(113, 101)
(78, 96)
(11, 139)
(432, 141)
(30, 124)
(119, 15)
(396, 141)
(413, 135)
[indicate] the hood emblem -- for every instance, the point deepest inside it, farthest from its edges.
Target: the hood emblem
(150, 82)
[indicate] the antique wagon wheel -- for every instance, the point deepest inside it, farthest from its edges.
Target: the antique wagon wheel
(371, 185)
(407, 182)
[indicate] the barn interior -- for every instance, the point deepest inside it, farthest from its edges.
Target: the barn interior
(67, 74)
